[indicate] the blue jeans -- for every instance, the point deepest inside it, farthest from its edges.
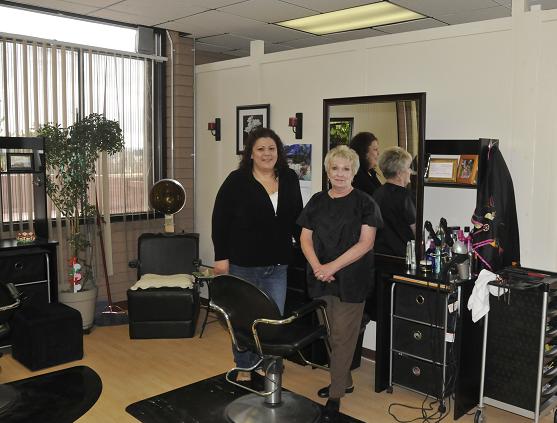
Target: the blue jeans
(272, 280)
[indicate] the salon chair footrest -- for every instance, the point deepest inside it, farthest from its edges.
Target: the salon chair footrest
(163, 312)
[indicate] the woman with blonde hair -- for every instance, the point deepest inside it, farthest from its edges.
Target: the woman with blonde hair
(396, 203)
(338, 233)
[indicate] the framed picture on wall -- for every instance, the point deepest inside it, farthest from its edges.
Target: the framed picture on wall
(340, 131)
(249, 118)
(20, 162)
(467, 169)
(442, 170)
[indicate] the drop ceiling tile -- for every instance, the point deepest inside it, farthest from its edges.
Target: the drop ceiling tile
(476, 15)
(64, 6)
(158, 11)
(273, 48)
(411, 26)
(96, 3)
(434, 8)
(231, 42)
(210, 47)
(212, 4)
(267, 10)
(354, 35)
(124, 17)
(209, 23)
(546, 4)
(309, 41)
(238, 53)
(272, 33)
(329, 5)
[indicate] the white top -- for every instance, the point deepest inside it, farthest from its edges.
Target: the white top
(274, 200)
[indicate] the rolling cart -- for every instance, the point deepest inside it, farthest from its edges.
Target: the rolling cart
(519, 353)
(423, 342)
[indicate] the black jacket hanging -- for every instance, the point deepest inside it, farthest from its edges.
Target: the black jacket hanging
(496, 238)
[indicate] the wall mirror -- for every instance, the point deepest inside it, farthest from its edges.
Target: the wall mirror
(397, 119)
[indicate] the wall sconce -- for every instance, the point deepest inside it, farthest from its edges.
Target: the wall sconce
(214, 127)
(296, 123)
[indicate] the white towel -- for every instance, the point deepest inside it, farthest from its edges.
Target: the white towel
(151, 280)
(478, 302)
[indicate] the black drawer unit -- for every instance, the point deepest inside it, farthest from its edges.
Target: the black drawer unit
(32, 269)
(423, 347)
(420, 375)
(24, 267)
(29, 271)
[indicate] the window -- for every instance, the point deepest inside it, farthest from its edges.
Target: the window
(42, 81)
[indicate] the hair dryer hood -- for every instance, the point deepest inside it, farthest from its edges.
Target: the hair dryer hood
(167, 196)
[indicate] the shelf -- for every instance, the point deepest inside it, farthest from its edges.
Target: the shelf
(550, 353)
(449, 185)
(551, 314)
(550, 373)
(549, 389)
(550, 334)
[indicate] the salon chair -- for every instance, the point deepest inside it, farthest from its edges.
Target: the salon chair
(164, 312)
(255, 324)
(9, 301)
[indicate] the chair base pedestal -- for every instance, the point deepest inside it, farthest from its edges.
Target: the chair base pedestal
(293, 409)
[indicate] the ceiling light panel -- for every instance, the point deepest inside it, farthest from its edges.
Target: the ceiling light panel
(367, 16)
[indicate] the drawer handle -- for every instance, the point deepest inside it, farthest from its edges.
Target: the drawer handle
(420, 299)
(417, 335)
(416, 371)
(18, 266)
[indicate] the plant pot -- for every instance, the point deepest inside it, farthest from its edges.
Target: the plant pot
(82, 301)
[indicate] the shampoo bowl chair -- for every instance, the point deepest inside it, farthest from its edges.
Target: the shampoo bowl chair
(164, 312)
(255, 324)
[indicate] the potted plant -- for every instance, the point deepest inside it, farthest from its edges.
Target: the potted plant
(71, 155)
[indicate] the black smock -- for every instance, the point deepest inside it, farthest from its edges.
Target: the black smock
(399, 212)
(336, 224)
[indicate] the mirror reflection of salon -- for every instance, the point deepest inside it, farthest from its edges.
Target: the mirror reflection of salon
(394, 121)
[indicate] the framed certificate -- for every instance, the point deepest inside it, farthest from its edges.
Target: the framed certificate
(442, 170)
(20, 162)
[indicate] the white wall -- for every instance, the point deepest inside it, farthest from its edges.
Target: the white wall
(493, 79)
(379, 118)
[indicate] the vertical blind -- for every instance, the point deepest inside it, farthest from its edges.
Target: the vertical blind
(40, 83)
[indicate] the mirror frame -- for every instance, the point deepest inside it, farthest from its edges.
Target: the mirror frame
(420, 98)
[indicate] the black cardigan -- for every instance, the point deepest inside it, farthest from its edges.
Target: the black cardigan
(246, 230)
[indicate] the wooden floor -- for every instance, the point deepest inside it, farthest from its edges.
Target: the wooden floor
(134, 370)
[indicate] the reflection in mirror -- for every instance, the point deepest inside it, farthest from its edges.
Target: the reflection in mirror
(396, 120)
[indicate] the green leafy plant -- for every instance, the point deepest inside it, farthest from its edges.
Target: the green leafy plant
(340, 133)
(71, 155)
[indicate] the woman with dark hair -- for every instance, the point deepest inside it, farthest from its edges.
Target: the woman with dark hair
(254, 220)
(367, 147)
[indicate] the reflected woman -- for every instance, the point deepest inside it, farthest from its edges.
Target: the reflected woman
(396, 203)
(367, 147)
